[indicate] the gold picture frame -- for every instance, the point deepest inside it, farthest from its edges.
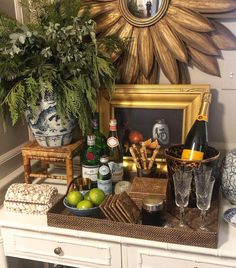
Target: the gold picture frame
(186, 98)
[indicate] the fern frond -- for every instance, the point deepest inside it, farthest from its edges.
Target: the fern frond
(16, 101)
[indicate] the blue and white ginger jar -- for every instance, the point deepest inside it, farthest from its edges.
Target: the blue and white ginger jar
(46, 125)
(228, 180)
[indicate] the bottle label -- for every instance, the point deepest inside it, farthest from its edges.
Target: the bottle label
(104, 170)
(188, 154)
(105, 186)
(90, 172)
(90, 156)
(116, 171)
(112, 142)
(202, 118)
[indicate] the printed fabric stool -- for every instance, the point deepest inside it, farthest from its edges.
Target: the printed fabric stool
(64, 154)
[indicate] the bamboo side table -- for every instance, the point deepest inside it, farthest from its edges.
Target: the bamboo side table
(64, 154)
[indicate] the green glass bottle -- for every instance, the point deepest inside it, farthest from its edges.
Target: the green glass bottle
(100, 139)
(90, 160)
(197, 139)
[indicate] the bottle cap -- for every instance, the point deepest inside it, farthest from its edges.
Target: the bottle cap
(153, 203)
(91, 139)
(113, 122)
(104, 159)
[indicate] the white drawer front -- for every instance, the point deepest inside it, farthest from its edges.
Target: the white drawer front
(136, 257)
(74, 251)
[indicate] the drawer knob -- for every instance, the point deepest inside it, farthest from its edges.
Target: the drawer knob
(58, 250)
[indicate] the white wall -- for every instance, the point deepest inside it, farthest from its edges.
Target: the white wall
(222, 122)
(12, 138)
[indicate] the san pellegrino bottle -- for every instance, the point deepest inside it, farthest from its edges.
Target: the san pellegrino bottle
(104, 181)
(100, 139)
(197, 139)
(90, 160)
(115, 153)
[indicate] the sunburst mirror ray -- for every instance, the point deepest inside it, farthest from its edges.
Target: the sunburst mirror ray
(171, 36)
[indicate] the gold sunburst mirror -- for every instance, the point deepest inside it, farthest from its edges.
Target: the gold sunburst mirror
(171, 36)
(143, 13)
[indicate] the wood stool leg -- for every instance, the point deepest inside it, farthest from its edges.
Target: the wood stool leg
(69, 170)
(44, 166)
(27, 169)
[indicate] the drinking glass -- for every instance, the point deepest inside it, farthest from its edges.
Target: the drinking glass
(204, 184)
(182, 184)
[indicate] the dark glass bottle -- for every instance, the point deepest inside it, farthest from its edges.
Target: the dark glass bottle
(115, 153)
(100, 139)
(90, 160)
(104, 181)
(197, 139)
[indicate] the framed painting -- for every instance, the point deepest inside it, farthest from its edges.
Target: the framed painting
(149, 112)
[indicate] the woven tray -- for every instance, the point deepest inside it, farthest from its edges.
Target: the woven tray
(59, 216)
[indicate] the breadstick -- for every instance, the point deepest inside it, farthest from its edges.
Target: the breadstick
(136, 151)
(143, 158)
(143, 147)
(155, 152)
(134, 157)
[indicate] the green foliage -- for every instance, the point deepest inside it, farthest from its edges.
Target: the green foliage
(56, 52)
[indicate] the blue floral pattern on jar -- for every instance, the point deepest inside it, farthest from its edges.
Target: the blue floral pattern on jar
(46, 125)
(228, 180)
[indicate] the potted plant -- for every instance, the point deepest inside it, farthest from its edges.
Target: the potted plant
(51, 69)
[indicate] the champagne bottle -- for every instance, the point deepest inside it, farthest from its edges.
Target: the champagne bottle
(90, 160)
(197, 139)
(100, 139)
(115, 153)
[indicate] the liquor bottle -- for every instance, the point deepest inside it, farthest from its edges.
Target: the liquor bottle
(115, 153)
(104, 181)
(100, 139)
(197, 139)
(90, 160)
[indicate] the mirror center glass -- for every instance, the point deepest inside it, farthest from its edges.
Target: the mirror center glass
(144, 8)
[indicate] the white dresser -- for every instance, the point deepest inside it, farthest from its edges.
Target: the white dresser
(29, 237)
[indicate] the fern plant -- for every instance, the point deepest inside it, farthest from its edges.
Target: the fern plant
(57, 52)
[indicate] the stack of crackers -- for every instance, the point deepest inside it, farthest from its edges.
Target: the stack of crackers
(121, 208)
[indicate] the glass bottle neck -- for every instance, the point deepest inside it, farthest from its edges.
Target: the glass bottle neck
(204, 110)
(113, 129)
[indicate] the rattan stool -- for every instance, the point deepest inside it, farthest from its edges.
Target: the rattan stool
(46, 155)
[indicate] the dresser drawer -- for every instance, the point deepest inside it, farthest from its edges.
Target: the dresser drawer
(142, 257)
(73, 251)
